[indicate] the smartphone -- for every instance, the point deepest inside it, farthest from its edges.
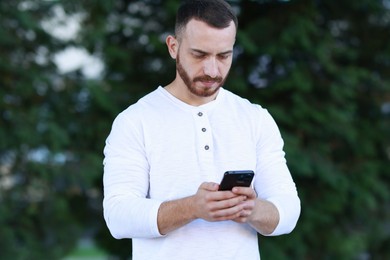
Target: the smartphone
(236, 178)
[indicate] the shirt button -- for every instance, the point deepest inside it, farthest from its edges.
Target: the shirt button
(203, 129)
(200, 114)
(206, 147)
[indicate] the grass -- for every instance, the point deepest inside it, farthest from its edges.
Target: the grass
(86, 250)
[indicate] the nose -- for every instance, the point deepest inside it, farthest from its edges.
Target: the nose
(210, 67)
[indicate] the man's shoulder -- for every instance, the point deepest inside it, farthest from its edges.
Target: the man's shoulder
(144, 106)
(240, 101)
(148, 101)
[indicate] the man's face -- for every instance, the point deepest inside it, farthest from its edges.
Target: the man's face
(200, 90)
(204, 57)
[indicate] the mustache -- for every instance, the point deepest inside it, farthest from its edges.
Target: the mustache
(208, 78)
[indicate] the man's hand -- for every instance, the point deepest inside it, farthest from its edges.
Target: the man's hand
(213, 205)
(247, 205)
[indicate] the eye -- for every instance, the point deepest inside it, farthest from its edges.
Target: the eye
(224, 56)
(199, 55)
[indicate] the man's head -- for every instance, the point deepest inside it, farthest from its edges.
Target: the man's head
(203, 46)
(215, 13)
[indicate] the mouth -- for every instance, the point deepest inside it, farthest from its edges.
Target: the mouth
(207, 81)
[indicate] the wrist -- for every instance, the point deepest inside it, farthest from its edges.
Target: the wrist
(190, 203)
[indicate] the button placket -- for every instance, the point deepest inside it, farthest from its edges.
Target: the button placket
(204, 145)
(205, 136)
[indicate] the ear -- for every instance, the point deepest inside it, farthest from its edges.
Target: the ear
(172, 45)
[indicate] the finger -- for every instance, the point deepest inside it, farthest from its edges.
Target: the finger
(228, 212)
(248, 206)
(227, 195)
(243, 216)
(247, 191)
(241, 219)
(222, 202)
(233, 217)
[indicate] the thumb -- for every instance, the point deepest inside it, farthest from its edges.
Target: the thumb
(210, 186)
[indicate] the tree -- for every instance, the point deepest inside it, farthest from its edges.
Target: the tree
(43, 169)
(320, 69)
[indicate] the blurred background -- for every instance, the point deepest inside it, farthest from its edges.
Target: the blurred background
(67, 68)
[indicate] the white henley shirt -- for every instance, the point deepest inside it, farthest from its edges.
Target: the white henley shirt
(162, 149)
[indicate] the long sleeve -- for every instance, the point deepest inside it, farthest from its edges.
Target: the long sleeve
(127, 210)
(273, 181)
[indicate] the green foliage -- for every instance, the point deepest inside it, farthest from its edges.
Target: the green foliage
(320, 67)
(43, 176)
(326, 92)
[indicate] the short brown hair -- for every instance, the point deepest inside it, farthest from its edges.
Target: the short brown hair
(216, 13)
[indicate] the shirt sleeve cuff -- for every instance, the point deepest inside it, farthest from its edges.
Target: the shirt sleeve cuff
(153, 223)
(289, 211)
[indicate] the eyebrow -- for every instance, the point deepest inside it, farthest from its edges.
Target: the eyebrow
(203, 52)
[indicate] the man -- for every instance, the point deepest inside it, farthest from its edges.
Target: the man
(166, 155)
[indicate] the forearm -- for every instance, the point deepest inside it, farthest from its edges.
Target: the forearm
(265, 217)
(175, 214)
(277, 215)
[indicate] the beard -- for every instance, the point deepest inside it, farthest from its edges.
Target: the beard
(200, 91)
